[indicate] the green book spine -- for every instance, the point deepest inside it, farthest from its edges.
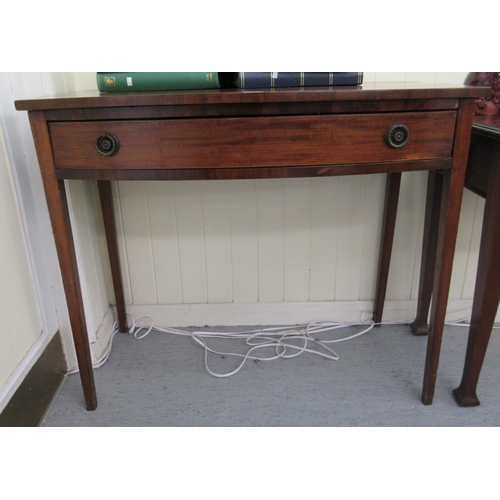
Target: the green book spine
(146, 82)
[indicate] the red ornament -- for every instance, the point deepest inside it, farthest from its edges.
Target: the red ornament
(486, 106)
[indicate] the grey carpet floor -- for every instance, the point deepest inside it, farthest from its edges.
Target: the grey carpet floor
(161, 381)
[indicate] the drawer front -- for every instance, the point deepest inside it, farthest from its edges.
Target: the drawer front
(256, 142)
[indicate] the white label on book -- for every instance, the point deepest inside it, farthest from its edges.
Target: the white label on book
(129, 81)
(275, 75)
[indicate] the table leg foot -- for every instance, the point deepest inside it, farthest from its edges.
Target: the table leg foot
(464, 399)
(419, 329)
(91, 406)
(427, 399)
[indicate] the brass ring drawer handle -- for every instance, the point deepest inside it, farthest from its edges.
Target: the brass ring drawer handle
(107, 144)
(397, 136)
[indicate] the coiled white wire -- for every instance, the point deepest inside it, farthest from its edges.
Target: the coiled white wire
(281, 339)
(285, 341)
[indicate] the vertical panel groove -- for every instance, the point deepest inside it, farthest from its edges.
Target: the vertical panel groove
(151, 241)
(204, 245)
(363, 238)
(177, 243)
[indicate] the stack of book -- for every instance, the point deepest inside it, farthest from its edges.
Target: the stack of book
(152, 82)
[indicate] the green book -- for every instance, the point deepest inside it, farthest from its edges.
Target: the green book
(146, 82)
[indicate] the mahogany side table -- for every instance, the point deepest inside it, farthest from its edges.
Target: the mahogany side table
(234, 134)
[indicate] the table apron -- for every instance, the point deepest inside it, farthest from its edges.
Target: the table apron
(253, 173)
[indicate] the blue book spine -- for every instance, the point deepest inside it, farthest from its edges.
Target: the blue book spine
(249, 80)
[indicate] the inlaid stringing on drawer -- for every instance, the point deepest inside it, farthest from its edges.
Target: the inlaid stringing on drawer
(262, 142)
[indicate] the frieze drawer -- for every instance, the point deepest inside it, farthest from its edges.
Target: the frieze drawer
(260, 141)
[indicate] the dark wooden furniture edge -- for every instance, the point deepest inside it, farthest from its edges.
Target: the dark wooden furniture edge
(451, 201)
(108, 214)
(487, 125)
(481, 178)
(366, 92)
(484, 179)
(420, 325)
(58, 210)
(252, 173)
(393, 184)
(248, 109)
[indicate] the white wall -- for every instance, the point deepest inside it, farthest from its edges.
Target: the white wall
(41, 262)
(21, 321)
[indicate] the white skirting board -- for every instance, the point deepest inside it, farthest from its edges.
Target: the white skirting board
(283, 313)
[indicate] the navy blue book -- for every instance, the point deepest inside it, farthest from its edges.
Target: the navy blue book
(279, 80)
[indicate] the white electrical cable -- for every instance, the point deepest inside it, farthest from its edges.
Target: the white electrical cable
(259, 341)
(278, 338)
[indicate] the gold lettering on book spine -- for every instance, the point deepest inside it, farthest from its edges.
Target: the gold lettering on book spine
(110, 81)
